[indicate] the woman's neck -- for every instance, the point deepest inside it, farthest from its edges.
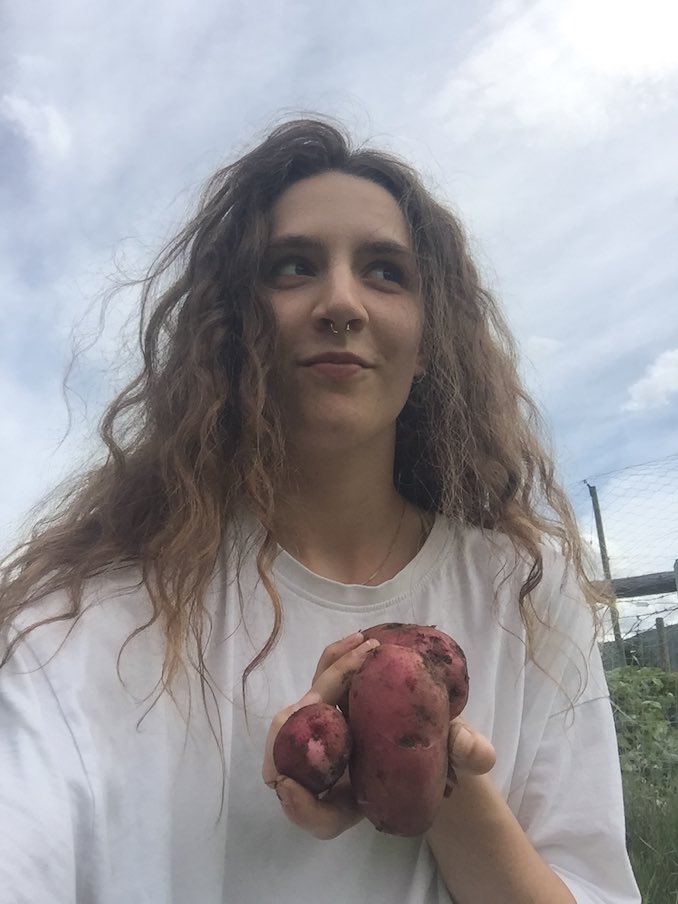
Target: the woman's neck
(343, 519)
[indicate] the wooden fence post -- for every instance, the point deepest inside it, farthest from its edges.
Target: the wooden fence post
(663, 645)
(619, 643)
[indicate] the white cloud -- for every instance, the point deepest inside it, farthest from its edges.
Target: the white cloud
(542, 348)
(562, 70)
(35, 454)
(41, 124)
(541, 362)
(623, 38)
(657, 386)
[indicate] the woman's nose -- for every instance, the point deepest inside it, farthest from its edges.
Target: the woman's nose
(340, 300)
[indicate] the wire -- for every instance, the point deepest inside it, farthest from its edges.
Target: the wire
(642, 464)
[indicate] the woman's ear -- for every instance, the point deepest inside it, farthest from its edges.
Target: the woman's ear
(420, 368)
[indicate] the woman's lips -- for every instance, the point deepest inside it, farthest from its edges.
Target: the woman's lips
(334, 370)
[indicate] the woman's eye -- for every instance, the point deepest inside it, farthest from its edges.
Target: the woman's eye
(388, 272)
(291, 266)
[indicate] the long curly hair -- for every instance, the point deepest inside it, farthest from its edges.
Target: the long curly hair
(196, 434)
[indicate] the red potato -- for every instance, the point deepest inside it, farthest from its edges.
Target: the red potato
(439, 651)
(399, 707)
(400, 725)
(313, 747)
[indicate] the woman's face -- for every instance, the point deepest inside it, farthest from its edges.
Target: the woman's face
(340, 255)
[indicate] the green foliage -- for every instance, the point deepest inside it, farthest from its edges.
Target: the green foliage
(652, 838)
(644, 703)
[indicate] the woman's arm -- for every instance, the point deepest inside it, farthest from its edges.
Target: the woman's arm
(481, 851)
(560, 837)
(483, 854)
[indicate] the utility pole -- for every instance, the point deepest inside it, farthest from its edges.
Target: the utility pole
(606, 570)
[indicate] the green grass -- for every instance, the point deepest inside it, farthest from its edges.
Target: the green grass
(644, 705)
(652, 837)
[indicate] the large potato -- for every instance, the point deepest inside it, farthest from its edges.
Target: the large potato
(399, 714)
(439, 651)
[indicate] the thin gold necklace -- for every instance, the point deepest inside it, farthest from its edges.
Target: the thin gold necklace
(390, 549)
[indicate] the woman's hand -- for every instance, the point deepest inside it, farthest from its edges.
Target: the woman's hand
(336, 811)
(470, 752)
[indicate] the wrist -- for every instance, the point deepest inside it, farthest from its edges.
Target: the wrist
(482, 852)
(475, 802)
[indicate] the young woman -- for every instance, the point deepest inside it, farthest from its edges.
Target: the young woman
(328, 432)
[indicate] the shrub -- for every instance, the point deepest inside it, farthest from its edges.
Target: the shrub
(644, 704)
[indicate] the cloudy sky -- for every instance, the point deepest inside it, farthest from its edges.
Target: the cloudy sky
(550, 127)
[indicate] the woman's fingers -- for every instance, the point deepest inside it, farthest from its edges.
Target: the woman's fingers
(336, 650)
(324, 818)
(331, 684)
(469, 750)
(328, 687)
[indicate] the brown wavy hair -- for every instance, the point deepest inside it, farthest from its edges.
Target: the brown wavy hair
(197, 433)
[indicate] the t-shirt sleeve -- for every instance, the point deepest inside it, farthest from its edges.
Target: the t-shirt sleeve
(40, 780)
(567, 786)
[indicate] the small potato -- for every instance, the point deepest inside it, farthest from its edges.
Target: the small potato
(399, 714)
(313, 747)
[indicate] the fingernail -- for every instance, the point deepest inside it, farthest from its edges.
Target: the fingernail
(370, 644)
(282, 791)
(355, 636)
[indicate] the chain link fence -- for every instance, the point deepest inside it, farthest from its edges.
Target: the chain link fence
(637, 534)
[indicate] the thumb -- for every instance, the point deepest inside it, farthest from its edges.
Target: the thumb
(469, 750)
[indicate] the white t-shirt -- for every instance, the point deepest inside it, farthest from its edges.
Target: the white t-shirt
(107, 799)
